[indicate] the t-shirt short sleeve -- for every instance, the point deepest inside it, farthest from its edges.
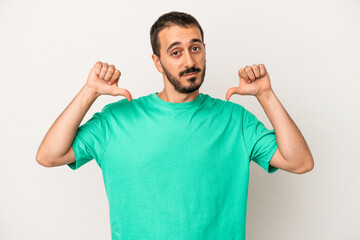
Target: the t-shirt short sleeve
(260, 142)
(91, 139)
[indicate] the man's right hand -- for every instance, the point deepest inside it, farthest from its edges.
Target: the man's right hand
(104, 78)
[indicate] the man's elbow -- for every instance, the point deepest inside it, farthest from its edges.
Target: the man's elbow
(306, 166)
(42, 160)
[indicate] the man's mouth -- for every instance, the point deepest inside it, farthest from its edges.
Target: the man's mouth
(190, 74)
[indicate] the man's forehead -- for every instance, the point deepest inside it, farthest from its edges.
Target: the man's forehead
(180, 34)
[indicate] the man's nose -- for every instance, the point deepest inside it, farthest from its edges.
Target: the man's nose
(189, 61)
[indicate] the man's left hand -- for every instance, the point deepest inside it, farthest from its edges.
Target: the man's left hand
(254, 81)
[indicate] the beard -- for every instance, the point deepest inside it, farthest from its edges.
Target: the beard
(179, 87)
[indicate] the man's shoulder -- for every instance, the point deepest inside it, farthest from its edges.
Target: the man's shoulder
(219, 103)
(212, 102)
(125, 104)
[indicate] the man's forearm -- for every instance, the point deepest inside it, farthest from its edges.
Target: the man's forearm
(61, 134)
(291, 143)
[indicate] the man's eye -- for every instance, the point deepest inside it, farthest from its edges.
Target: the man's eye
(195, 48)
(175, 53)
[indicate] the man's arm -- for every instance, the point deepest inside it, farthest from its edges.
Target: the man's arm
(56, 147)
(293, 154)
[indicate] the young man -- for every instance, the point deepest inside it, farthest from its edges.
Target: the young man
(176, 163)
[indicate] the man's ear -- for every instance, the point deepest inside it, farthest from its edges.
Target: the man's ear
(157, 63)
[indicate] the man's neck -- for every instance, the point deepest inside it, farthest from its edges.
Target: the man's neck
(176, 97)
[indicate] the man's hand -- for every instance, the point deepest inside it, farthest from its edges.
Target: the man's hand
(254, 81)
(104, 78)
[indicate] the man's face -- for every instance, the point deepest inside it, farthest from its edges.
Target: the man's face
(182, 57)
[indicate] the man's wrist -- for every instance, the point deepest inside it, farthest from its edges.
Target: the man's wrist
(90, 92)
(265, 95)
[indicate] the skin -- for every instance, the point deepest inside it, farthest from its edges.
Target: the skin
(55, 149)
(186, 54)
(292, 155)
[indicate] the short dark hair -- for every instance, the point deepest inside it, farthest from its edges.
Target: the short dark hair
(170, 19)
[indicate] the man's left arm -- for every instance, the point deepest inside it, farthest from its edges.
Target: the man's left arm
(293, 154)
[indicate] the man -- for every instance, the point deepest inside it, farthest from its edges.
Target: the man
(176, 163)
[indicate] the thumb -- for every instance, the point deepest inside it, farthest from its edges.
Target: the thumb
(231, 91)
(241, 90)
(116, 91)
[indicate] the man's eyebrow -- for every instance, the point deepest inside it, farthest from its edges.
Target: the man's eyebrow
(196, 40)
(178, 43)
(172, 45)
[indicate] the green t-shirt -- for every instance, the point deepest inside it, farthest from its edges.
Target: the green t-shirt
(175, 170)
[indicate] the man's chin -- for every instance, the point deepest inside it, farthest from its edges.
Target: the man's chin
(190, 88)
(193, 79)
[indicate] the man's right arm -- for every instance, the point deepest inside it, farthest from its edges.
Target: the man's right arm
(56, 147)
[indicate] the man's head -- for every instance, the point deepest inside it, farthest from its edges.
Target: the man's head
(179, 51)
(171, 19)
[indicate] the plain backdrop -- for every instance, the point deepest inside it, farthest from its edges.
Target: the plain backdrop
(310, 49)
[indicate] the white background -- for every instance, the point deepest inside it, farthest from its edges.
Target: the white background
(311, 51)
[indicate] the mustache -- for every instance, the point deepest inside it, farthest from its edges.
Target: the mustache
(189, 70)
